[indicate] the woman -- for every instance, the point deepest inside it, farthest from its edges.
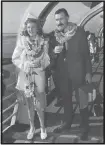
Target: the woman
(31, 57)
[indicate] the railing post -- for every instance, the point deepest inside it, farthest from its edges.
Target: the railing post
(13, 120)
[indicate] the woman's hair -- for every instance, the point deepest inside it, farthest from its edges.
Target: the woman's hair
(32, 20)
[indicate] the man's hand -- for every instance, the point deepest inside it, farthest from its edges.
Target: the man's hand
(88, 78)
(58, 49)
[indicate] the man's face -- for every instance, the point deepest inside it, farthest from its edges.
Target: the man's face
(61, 21)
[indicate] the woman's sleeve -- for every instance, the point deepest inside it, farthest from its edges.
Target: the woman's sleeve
(46, 46)
(16, 57)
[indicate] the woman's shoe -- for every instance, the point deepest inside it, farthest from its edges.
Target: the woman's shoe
(31, 133)
(43, 135)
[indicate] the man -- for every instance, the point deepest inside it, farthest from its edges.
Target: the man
(70, 63)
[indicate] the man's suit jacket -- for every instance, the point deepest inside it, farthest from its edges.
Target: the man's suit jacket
(78, 61)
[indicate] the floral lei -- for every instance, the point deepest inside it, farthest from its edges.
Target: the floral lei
(63, 37)
(35, 47)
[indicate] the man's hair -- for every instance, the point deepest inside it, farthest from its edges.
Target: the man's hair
(62, 10)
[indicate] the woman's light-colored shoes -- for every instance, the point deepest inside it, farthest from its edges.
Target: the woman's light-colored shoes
(31, 133)
(43, 135)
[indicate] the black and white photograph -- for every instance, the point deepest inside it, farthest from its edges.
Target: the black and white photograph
(52, 72)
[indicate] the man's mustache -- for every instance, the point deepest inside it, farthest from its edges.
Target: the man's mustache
(60, 24)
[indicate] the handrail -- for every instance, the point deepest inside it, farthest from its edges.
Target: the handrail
(11, 84)
(13, 104)
(9, 96)
(8, 61)
(6, 128)
(10, 115)
(8, 118)
(96, 10)
(13, 120)
(100, 55)
(98, 66)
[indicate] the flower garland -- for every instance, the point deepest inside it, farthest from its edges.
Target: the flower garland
(35, 46)
(63, 37)
(35, 49)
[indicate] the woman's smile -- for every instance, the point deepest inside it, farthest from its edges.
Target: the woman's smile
(32, 29)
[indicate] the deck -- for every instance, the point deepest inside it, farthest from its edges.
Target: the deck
(18, 132)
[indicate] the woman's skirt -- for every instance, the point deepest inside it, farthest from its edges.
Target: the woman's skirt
(33, 85)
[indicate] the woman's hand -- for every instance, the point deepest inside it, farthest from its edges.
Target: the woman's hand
(35, 64)
(29, 64)
(26, 68)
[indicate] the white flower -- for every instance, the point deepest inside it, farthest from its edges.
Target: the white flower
(42, 41)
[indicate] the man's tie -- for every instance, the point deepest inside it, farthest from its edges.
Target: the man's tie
(64, 50)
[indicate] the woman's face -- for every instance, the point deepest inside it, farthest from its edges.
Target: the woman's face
(32, 29)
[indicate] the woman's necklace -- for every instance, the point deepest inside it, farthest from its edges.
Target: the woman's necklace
(35, 44)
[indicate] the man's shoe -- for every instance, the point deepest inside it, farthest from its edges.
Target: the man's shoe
(63, 127)
(84, 136)
(85, 123)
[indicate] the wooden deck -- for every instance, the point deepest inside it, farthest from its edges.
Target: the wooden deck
(18, 132)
